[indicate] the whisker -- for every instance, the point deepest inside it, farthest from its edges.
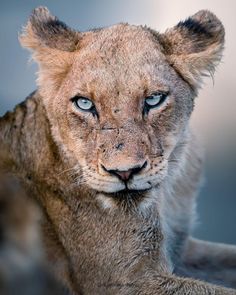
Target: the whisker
(66, 170)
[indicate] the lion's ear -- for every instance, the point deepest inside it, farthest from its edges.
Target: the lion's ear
(194, 46)
(45, 30)
(51, 42)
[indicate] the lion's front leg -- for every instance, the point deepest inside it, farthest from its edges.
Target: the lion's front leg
(212, 262)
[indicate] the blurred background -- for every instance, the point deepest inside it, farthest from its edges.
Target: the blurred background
(214, 118)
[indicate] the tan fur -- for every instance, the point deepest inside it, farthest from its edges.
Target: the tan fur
(99, 238)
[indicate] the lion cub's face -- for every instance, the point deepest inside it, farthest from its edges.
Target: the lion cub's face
(121, 109)
(119, 98)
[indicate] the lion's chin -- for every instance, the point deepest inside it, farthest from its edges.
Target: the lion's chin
(128, 194)
(130, 200)
(126, 199)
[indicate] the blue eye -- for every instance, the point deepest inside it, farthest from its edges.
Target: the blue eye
(83, 103)
(155, 100)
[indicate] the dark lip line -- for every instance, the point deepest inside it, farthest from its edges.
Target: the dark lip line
(129, 191)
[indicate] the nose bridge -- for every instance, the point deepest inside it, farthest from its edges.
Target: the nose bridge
(122, 145)
(131, 138)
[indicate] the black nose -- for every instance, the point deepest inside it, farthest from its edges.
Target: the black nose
(125, 175)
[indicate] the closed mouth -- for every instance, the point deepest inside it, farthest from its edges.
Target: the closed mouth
(128, 194)
(130, 191)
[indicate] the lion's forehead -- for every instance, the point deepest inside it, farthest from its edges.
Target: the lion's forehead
(120, 62)
(121, 53)
(109, 76)
(121, 37)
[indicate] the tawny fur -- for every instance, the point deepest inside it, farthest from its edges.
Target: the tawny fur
(98, 238)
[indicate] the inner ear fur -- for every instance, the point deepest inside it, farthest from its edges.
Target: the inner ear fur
(52, 44)
(194, 47)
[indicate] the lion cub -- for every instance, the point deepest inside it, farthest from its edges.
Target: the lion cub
(105, 149)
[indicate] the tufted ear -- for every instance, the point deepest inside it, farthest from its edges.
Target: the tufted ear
(52, 43)
(194, 46)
